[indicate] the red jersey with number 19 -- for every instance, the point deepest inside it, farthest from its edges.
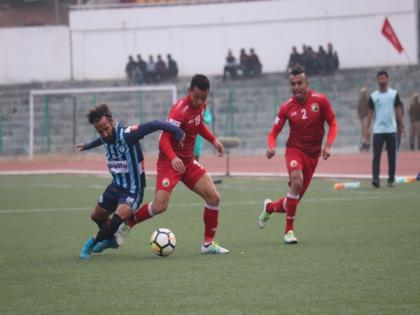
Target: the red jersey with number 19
(190, 120)
(306, 123)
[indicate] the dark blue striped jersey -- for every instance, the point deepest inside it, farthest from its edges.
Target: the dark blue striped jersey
(124, 155)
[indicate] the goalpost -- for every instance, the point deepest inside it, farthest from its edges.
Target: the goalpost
(64, 112)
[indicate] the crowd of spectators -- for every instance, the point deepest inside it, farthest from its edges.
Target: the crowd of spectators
(140, 71)
(249, 65)
(321, 62)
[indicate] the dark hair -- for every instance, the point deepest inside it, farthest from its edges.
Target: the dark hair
(99, 111)
(297, 70)
(382, 72)
(201, 82)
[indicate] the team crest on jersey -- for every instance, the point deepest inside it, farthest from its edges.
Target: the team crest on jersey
(165, 182)
(293, 163)
(122, 148)
(315, 107)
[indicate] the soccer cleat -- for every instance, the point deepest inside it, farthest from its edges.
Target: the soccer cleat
(213, 248)
(87, 249)
(391, 184)
(101, 246)
(122, 233)
(290, 238)
(376, 184)
(264, 216)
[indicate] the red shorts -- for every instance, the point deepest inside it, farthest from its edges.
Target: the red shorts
(297, 160)
(167, 177)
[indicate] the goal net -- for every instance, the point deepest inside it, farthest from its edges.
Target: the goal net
(57, 117)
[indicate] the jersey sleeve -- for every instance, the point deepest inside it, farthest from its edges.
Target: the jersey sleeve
(175, 118)
(137, 132)
(279, 122)
(331, 121)
(206, 133)
(93, 144)
(370, 104)
(397, 101)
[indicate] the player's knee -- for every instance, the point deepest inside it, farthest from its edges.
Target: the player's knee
(296, 186)
(213, 198)
(159, 207)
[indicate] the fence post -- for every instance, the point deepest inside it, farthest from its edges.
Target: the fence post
(46, 131)
(1, 134)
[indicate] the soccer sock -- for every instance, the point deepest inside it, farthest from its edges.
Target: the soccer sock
(145, 212)
(277, 206)
(211, 219)
(292, 202)
(108, 229)
(99, 223)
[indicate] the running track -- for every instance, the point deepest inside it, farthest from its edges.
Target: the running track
(340, 165)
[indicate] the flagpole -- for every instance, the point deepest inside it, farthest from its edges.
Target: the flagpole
(408, 58)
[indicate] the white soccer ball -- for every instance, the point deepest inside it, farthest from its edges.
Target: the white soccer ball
(163, 242)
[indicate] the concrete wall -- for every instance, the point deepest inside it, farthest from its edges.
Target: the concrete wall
(97, 44)
(34, 54)
(199, 36)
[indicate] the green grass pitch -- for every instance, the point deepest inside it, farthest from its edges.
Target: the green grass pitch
(358, 252)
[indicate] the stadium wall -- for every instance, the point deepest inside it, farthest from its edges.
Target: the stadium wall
(34, 54)
(98, 41)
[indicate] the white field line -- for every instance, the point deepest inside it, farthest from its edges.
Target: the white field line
(153, 173)
(224, 204)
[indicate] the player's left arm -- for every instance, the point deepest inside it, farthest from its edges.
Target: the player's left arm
(399, 114)
(332, 128)
(206, 134)
(137, 132)
(89, 145)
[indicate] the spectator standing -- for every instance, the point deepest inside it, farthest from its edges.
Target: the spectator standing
(130, 70)
(172, 67)
(151, 70)
(295, 60)
(255, 66)
(322, 60)
(362, 113)
(387, 106)
(414, 113)
(141, 67)
(244, 63)
(161, 69)
(231, 67)
(333, 62)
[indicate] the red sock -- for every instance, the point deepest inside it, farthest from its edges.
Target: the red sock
(276, 206)
(142, 214)
(292, 202)
(211, 219)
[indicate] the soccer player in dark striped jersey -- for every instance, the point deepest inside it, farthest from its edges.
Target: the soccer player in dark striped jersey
(125, 163)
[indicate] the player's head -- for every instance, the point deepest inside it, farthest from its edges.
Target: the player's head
(383, 78)
(199, 90)
(101, 118)
(299, 83)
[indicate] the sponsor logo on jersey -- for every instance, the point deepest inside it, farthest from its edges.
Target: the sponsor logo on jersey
(118, 167)
(293, 163)
(165, 182)
(190, 121)
(315, 107)
(293, 114)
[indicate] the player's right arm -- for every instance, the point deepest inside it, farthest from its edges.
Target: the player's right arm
(273, 134)
(175, 118)
(90, 145)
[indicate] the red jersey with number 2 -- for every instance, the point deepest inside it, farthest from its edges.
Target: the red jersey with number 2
(306, 123)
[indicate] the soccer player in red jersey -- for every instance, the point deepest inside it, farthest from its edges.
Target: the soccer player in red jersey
(176, 163)
(307, 111)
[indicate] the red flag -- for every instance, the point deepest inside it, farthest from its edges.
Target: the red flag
(389, 33)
